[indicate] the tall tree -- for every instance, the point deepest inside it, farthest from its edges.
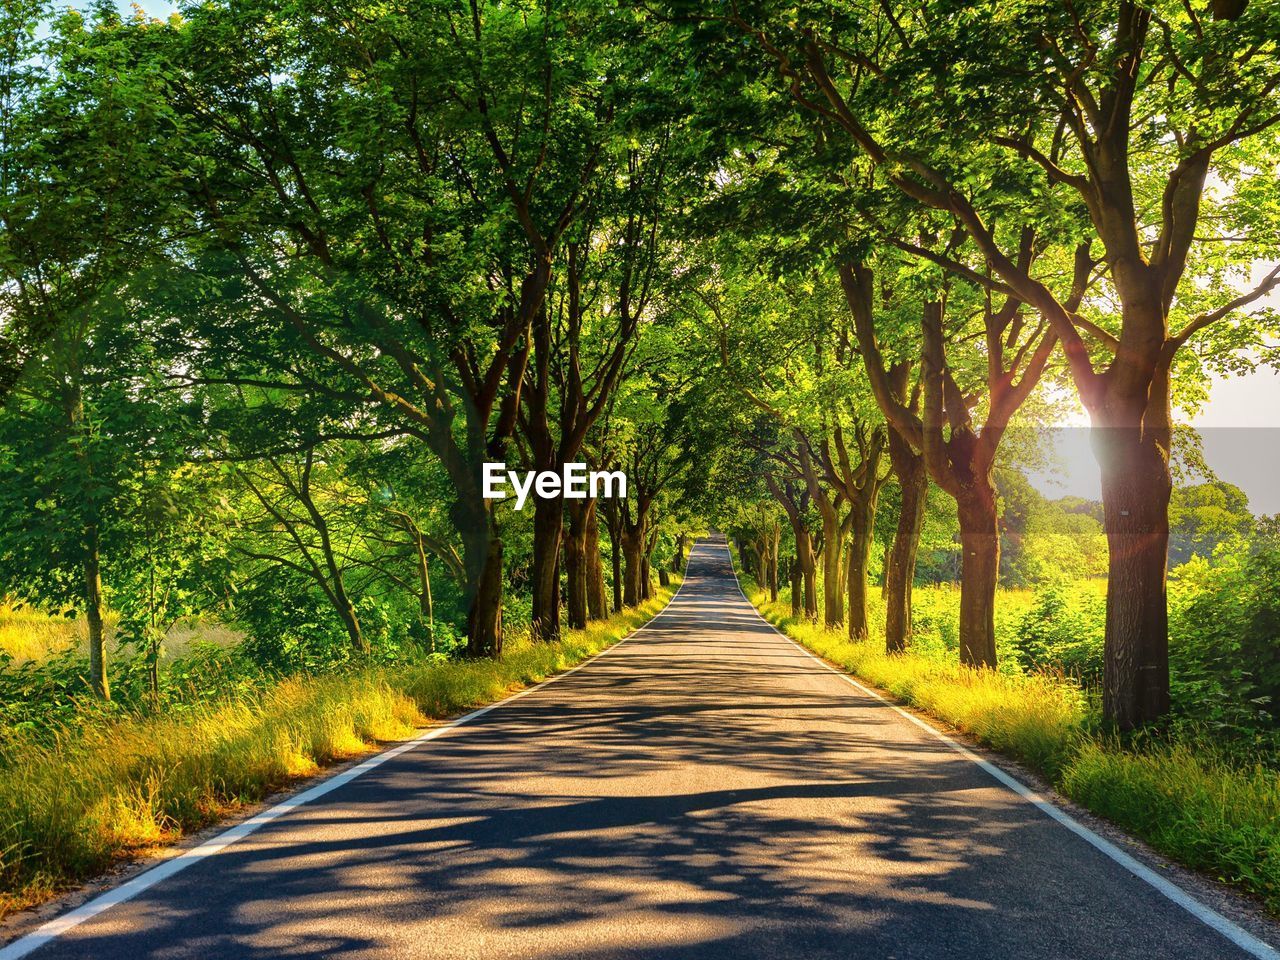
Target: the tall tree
(85, 200)
(1131, 110)
(608, 277)
(389, 195)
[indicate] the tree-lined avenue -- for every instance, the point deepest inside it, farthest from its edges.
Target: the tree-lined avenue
(706, 789)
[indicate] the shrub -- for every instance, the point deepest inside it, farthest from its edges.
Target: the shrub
(1062, 632)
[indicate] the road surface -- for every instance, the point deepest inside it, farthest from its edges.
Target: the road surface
(704, 790)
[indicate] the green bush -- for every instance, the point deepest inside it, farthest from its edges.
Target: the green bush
(1063, 633)
(1224, 648)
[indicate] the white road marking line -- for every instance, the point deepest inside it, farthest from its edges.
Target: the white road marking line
(1206, 915)
(56, 927)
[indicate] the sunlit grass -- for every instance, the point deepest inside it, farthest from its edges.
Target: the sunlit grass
(30, 634)
(70, 808)
(1036, 719)
(1187, 801)
(1183, 797)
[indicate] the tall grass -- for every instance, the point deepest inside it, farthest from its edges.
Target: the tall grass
(27, 634)
(30, 634)
(1181, 795)
(70, 808)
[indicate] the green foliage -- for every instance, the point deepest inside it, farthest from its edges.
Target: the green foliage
(1204, 515)
(1224, 650)
(1062, 632)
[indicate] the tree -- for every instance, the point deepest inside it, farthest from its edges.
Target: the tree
(415, 269)
(1131, 110)
(85, 181)
(958, 451)
(609, 274)
(307, 520)
(1203, 515)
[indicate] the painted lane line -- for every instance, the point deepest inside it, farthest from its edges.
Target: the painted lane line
(1206, 915)
(50, 931)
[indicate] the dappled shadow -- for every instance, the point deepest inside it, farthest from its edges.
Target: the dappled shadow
(704, 790)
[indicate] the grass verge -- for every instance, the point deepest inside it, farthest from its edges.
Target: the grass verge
(72, 808)
(1183, 797)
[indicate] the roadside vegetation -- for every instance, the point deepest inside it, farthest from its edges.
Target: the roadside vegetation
(278, 278)
(77, 798)
(1198, 792)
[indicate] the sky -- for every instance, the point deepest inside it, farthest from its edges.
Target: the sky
(1239, 428)
(1239, 425)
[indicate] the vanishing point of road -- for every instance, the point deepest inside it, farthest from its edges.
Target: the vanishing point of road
(703, 790)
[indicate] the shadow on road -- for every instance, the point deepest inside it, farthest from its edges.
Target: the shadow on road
(705, 790)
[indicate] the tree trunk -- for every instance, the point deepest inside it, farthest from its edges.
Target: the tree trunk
(617, 578)
(774, 533)
(597, 601)
(900, 565)
(615, 527)
(350, 622)
(832, 587)
(575, 564)
(802, 595)
(1135, 494)
(809, 574)
(548, 524)
(74, 409)
(426, 606)
(979, 572)
(677, 564)
(482, 558)
(93, 617)
(859, 560)
(633, 562)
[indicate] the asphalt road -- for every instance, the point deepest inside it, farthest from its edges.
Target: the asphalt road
(703, 790)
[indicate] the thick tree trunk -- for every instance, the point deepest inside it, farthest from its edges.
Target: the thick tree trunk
(597, 601)
(979, 572)
(634, 567)
(548, 526)
(94, 619)
(1135, 494)
(900, 565)
(677, 564)
(646, 577)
